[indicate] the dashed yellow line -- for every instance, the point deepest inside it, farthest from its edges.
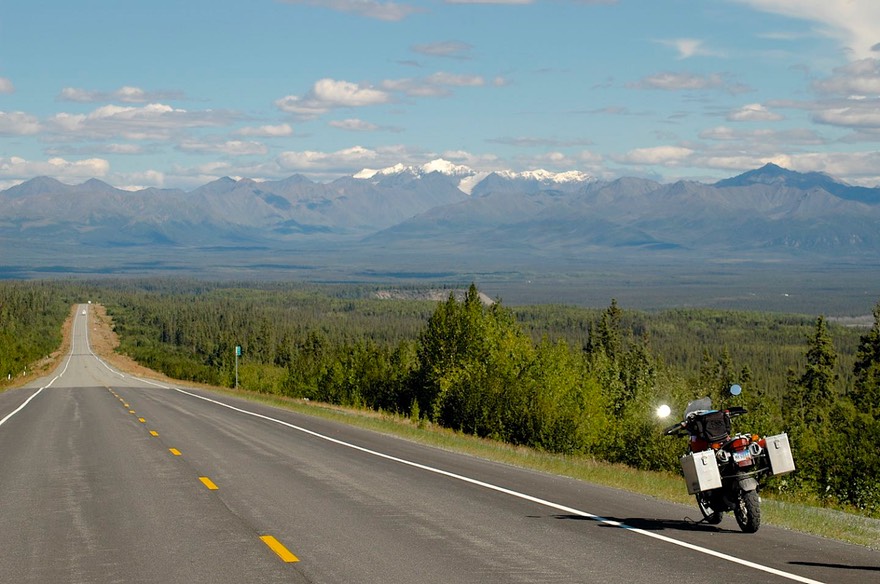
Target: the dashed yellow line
(130, 411)
(209, 483)
(174, 451)
(142, 420)
(279, 549)
(153, 433)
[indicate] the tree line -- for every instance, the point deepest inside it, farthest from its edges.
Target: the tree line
(557, 378)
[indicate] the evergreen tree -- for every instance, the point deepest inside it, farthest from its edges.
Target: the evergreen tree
(866, 389)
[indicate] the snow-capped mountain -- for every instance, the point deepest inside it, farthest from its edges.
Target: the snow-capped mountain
(442, 211)
(467, 179)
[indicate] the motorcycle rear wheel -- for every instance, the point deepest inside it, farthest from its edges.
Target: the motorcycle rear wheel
(710, 516)
(748, 511)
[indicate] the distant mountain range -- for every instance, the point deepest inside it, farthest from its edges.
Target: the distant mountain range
(446, 211)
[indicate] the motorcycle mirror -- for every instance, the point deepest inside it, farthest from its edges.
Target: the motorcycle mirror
(663, 411)
(735, 389)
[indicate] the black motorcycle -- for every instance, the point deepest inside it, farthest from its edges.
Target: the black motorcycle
(722, 470)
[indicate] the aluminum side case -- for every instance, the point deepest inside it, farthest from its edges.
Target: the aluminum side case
(700, 471)
(779, 454)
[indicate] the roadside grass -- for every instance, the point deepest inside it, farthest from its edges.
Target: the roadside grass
(797, 515)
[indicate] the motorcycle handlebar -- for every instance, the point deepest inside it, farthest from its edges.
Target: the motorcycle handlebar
(674, 429)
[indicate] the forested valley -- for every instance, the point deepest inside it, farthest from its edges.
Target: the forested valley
(556, 378)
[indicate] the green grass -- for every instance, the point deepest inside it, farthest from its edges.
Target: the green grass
(808, 518)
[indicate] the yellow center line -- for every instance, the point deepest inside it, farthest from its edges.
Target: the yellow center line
(174, 451)
(279, 549)
(125, 405)
(142, 420)
(209, 483)
(130, 411)
(153, 433)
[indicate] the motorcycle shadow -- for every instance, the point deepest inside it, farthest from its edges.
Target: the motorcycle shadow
(652, 524)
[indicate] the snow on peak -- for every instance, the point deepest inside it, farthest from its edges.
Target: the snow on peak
(439, 165)
(469, 178)
(546, 176)
(446, 167)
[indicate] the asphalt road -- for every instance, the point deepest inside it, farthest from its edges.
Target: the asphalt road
(109, 478)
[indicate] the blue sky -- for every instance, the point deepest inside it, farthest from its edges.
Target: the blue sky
(175, 93)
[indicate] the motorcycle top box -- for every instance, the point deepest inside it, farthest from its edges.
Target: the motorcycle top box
(779, 453)
(700, 471)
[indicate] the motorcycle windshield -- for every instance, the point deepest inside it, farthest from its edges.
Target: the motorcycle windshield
(698, 405)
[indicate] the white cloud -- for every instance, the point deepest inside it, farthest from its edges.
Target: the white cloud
(859, 78)
(150, 122)
(436, 85)
(354, 157)
(278, 131)
(6, 85)
(64, 170)
(125, 94)
(662, 155)
(18, 124)
(391, 11)
(670, 81)
(688, 48)
(354, 125)
(855, 24)
(753, 112)
(228, 147)
(329, 94)
(856, 114)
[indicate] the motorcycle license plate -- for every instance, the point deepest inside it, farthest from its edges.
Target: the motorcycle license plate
(742, 457)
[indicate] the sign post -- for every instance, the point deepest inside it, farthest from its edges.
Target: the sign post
(237, 355)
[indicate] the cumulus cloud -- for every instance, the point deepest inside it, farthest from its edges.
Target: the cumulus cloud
(354, 157)
(6, 85)
(125, 94)
(855, 114)
(390, 11)
(18, 124)
(855, 24)
(753, 112)
(268, 131)
(153, 121)
(328, 94)
(64, 170)
(859, 78)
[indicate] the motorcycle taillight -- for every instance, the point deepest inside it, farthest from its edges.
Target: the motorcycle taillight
(739, 443)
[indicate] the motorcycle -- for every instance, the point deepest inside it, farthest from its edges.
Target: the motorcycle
(722, 470)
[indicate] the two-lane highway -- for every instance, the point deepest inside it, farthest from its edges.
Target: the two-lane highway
(109, 478)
